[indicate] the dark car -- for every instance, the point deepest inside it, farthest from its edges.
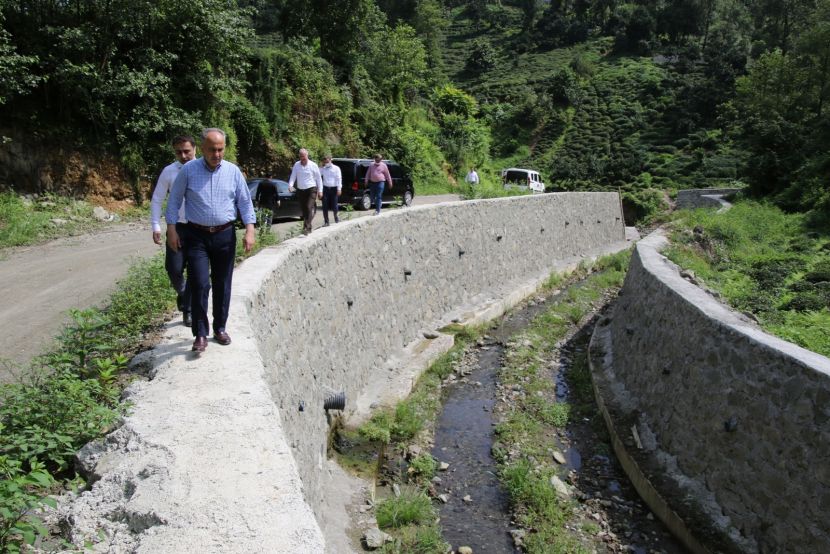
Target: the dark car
(356, 193)
(289, 204)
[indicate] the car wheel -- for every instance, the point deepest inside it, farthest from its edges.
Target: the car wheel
(365, 202)
(407, 198)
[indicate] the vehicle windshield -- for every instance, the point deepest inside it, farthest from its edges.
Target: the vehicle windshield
(515, 176)
(282, 186)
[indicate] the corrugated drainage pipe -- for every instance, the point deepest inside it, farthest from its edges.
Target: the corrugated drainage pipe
(335, 401)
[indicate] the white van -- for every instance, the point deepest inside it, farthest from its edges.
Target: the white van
(522, 179)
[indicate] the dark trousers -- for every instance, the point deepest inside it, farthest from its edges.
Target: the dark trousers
(330, 203)
(176, 263)
(308, 203)
(210, 257)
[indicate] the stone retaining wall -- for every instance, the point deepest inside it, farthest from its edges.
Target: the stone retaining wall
(733, 424)
(337, 306)
(227, 452)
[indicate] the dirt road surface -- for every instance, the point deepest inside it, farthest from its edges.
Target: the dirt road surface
(40, 284)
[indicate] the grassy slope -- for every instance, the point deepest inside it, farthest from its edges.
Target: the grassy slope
(622, 112)
(762, 261)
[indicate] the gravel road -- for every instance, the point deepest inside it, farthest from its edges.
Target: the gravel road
(42, 283)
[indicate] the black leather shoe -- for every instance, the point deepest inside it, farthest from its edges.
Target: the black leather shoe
(222, 337)
(187, 320)
(200, 344)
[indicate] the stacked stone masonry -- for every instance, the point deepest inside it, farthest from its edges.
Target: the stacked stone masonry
(743, 415)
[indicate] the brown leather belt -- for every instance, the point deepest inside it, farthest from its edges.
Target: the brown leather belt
(214, 229)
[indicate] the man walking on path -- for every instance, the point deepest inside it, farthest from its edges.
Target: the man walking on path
(332, 186)
(472, 177)
(309, 187)
(377, 176)
(214, 190)
(184, 148)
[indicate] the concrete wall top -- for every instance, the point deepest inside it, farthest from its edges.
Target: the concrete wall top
(227, 453)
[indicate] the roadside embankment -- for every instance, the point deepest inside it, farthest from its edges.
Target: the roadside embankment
(722, 427)
(228, 452)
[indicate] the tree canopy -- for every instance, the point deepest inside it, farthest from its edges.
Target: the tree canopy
(594, 93)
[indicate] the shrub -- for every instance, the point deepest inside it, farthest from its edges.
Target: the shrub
(424, 466)
(819, 273)
(641, 205)
(50, 421)
(412, 506)
(807, 301)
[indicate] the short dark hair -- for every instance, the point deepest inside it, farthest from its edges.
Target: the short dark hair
(377, 156)
(178, 139)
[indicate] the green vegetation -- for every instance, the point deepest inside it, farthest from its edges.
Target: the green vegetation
(412, 506)
(640, 97)
(417, 539)
(25, 222)
(765, 262)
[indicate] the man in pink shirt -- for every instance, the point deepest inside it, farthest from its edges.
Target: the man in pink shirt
(377, 176)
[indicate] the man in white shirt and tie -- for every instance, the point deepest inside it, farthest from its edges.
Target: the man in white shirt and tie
(306, 175)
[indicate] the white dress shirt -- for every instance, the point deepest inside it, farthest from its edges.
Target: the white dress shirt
(306, 176)
(163, 186)
(332, 177)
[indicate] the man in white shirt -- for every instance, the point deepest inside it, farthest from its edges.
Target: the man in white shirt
(472, 177)
(309, 187)
(332, 187)
(184, 148)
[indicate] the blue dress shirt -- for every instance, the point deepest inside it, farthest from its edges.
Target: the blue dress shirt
(211, 197)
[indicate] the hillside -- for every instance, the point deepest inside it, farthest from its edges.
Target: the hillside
(641, 96)
(585, 116)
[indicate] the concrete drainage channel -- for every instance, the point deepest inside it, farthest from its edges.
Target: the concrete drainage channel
(474, 509)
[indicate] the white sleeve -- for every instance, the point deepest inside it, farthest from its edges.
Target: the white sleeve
(293, 177)
(159, 194)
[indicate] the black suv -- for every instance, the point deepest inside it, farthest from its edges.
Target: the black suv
(356, 193)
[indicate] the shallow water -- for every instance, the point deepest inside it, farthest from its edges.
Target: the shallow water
(463, 439)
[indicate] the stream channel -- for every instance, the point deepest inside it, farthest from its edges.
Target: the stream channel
(609, 515)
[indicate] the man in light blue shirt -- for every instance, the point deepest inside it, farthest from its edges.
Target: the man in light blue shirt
(214, 190)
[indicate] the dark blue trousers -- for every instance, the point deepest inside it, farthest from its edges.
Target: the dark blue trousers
(376, 191)
(330, 203)
(210, 258)
(175, 263)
